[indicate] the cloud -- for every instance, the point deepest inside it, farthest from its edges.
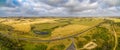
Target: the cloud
(78, 7)
(112, 2)
(60, 7)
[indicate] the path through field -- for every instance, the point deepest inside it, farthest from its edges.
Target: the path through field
(115, 36)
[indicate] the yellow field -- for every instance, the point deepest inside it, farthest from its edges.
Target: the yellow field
(24, 25)
(68, 30)
(57, 33)
(115, 19)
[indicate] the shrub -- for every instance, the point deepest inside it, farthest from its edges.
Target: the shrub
(58, 47)
(41, 47)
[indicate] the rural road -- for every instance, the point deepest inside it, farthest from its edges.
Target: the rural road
(115, 37)
(72, 45)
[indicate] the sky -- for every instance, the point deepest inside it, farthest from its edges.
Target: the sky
(59, 7)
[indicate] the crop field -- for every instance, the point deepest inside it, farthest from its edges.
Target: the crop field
(68, 30)
(114, 19)
(59, 33)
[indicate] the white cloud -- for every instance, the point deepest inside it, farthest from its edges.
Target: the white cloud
(51, 7)
(112, 2)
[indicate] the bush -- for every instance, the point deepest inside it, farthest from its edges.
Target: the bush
(80, 44)
(118, 47)
(11, 44)
(58, 47)
(118, 24)
(101, 33)
(41, 47)
(5, 27)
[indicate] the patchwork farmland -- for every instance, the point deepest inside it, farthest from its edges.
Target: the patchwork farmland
(59, 33)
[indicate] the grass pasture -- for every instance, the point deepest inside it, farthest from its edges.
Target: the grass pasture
(22, 27)
(41, 33)
(53, 27)
(68, 30)
(114, 19)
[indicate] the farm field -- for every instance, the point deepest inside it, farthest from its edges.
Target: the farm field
(60, 33)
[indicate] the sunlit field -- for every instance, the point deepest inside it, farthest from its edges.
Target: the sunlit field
(60, 33)
(68, 30)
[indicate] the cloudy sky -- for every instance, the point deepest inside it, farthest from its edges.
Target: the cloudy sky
(59, 7)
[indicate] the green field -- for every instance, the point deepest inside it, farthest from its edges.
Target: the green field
(59, 33)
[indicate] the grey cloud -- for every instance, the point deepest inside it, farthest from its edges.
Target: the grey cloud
(62, 7)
